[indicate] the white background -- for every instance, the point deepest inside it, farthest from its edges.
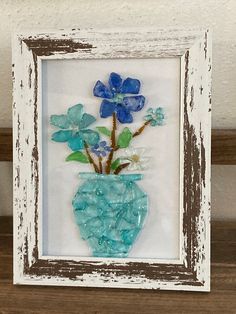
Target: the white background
(68, 82)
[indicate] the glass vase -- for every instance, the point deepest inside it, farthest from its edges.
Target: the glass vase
(110, 211)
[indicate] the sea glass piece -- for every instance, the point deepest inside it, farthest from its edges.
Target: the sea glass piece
(124, 138)
(110, 211)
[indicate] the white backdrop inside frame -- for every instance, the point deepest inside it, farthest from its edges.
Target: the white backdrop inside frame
(68, 82)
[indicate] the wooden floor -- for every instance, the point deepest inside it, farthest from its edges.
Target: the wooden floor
(32, 299)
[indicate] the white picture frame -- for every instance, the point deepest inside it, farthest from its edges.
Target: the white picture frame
(193, 48)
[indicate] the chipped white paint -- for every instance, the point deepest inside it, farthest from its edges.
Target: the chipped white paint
(194, 49)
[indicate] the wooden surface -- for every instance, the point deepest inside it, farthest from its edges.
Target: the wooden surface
(5, 144)
(32, 299)
(223, 146)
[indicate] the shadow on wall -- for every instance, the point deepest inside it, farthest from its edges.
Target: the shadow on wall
(5, 188)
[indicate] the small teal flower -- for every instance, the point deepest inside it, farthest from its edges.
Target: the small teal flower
(155, 116)
(101, 149)
(73, 127)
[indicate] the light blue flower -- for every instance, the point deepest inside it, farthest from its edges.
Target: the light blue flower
(73, 127)
(116, 100)
(101, 149)
(155, 116)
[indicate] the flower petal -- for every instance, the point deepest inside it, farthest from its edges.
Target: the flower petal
(76, 142)
(97, 153)
(159, 110)
(154, 122)
(100, 90)
(124, 115)
(62, 136)
(61, 121)
(133, 166)
(130, 86)
(96, 146)
(150, 110)
(115, 82)
(107, 108)
(75, 113)
(148, 117)
(86, 120)
(90, 137)
(103, 143)
(134, 103)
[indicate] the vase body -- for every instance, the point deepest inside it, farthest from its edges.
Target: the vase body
(110, 212)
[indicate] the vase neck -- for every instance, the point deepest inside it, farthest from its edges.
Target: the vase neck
(110, 177)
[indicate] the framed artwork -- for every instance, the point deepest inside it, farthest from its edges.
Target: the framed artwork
(112, 158)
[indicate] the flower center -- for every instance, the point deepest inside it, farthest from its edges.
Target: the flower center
(118, 98)
(135, 158)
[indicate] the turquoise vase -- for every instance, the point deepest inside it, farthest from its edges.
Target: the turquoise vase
(110, 212)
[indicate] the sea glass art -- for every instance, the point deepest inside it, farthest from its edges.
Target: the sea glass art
(109, 206)
(110, 211)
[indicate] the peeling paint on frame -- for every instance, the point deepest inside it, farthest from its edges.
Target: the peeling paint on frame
(193, 47)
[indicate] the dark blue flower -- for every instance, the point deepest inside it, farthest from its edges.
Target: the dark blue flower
(101, 149)
(116, 100)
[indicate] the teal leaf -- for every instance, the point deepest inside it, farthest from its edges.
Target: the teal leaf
(75, 114)
(76, 142)
(62, 136)
(78, 156)
(61, 121)
(115, 164)
(124, 138)
(103, 130)
(89, 136)
(86, 120)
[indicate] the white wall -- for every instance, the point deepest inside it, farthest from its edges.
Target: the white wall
(219, 15)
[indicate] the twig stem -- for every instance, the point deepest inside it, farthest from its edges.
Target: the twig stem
(90, 158)
(140, 130)
(100, 164)
(113, 144)
(121, 167)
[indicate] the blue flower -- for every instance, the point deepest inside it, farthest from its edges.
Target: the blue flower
(155, 116)
(116, 99)
(73, 127)
(101, 149)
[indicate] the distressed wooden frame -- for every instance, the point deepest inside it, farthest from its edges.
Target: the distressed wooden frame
(192, 270)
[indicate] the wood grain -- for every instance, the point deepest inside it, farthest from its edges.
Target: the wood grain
(5, 144)
(27, 300)
(223, 146)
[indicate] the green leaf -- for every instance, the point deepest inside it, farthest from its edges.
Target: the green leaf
(115, 164)
(78, 156)
(103, 130)
(124, 138)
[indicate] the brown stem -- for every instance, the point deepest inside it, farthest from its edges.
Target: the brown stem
(113, 144)
(140, 130)
(100, 164)
(90, 158)
(121, 167)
